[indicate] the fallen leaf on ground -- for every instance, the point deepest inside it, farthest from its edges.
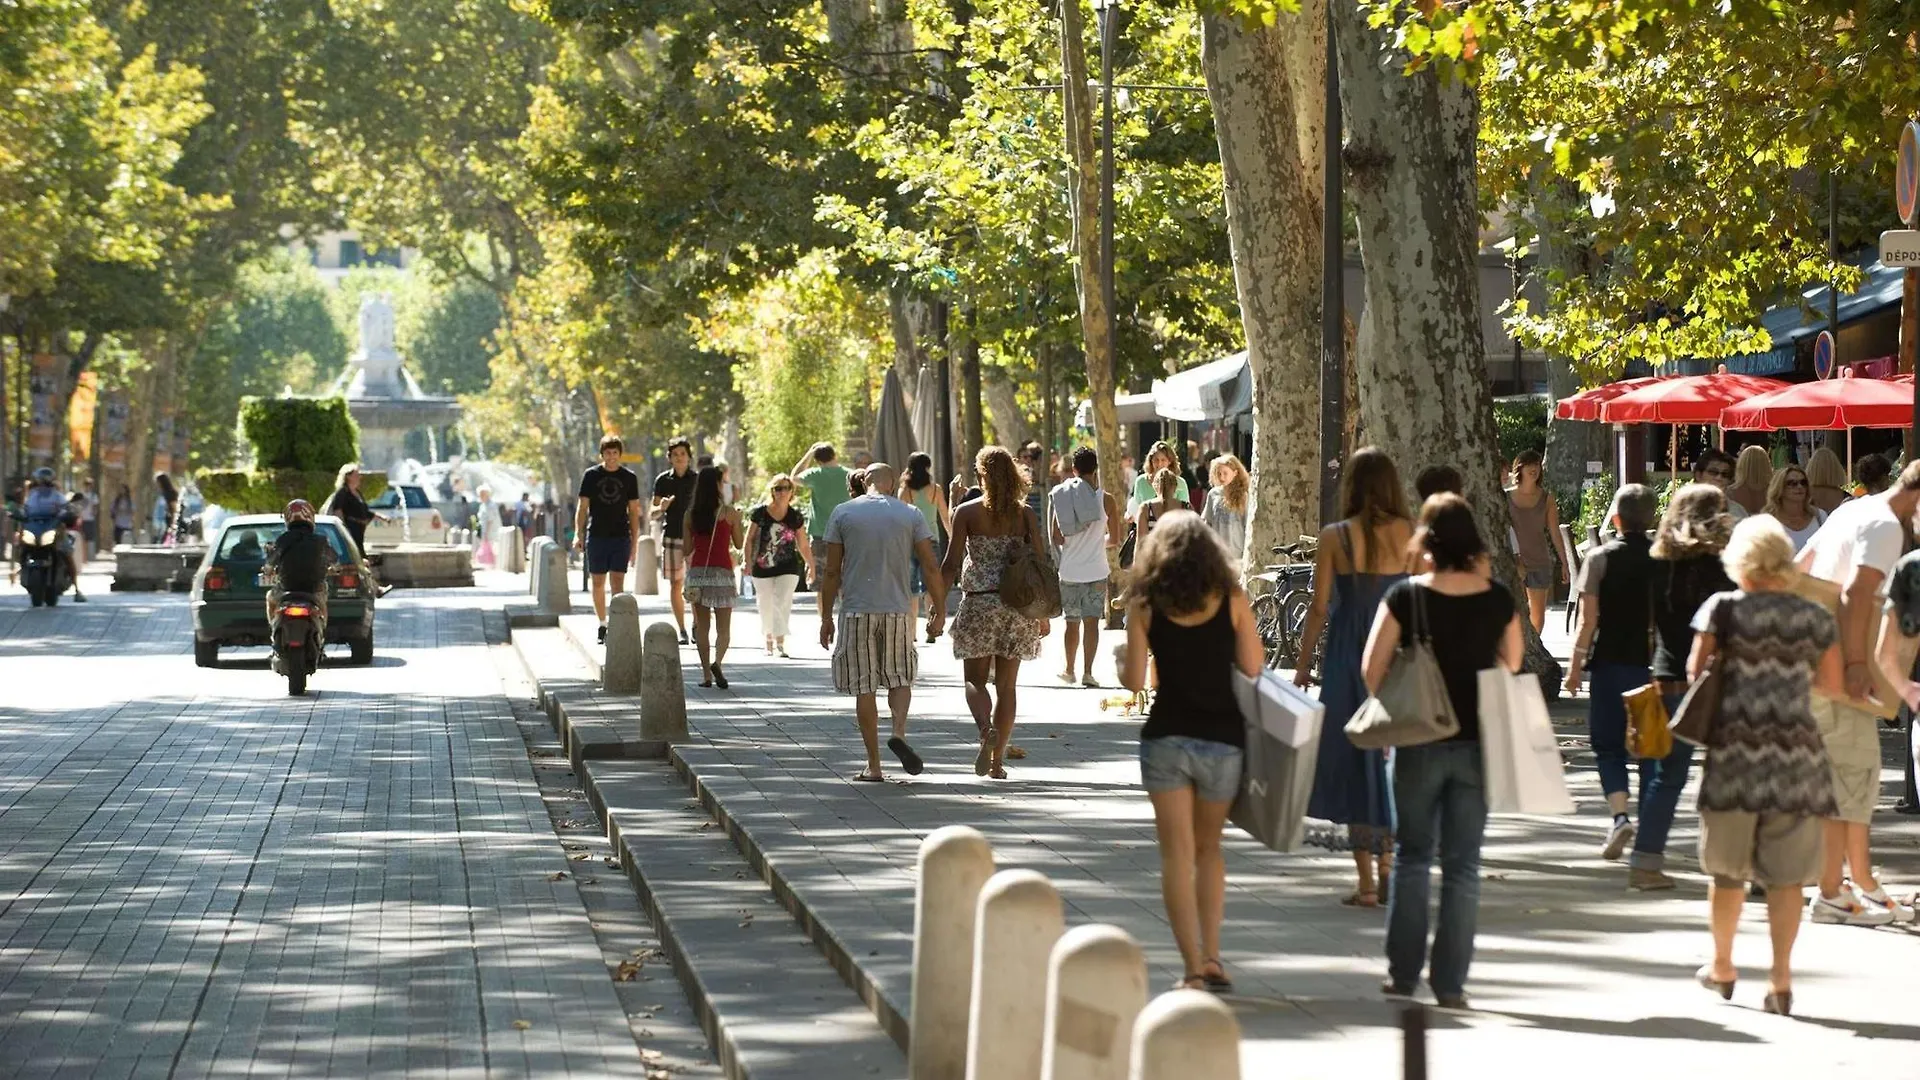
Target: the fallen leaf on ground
(523, 1024)
(651, 1056)
(582, 857)
(557, 875)
(626, 971)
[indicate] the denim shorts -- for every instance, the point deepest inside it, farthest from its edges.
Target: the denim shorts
(1172, 762)
(1540, 579)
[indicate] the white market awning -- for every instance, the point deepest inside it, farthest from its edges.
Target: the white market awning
(1133, 409)
(1212, 391)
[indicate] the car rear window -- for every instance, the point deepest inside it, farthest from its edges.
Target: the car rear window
(417, 498)
(249, 543)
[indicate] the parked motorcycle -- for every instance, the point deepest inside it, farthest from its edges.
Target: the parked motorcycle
(43, 572)
(296, 641)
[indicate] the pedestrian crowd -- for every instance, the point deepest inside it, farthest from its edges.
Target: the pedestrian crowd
(1760, 613)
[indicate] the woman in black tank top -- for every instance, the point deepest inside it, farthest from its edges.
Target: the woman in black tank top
(1188, 610)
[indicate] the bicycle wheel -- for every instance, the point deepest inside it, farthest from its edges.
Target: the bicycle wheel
(1268, 621)
(1293, 623)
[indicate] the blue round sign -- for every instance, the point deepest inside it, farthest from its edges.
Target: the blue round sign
(1823, 356)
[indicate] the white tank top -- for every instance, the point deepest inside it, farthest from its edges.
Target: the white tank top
(1084, 557)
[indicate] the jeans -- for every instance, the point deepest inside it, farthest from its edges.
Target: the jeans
(1661, 782)
(1607, 719)
(1440, 792)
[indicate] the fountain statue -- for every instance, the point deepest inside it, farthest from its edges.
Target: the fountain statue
(383, 396)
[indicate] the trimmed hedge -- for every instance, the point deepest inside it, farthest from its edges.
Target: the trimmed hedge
(299, 433)
(269, 492)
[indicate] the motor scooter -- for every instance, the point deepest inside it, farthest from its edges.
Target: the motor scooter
(296, 640)
(43, 570)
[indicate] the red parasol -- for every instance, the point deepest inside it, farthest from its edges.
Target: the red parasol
(1585, 405)
(1690, 399)
(1827, 405)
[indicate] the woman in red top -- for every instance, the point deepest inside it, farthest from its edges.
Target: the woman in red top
(710, 532)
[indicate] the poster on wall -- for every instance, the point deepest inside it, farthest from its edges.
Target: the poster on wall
(43, 391)
(113, 430)
(163, 446)
(80, 415)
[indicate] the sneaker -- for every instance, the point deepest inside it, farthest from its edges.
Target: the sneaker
(602, 638)
(1878, 900)
(1617, 840)
(1643, 879)
(1905, 807)
(1846, 910)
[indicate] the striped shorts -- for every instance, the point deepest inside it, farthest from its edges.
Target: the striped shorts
(874, 652)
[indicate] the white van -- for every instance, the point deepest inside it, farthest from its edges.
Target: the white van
(411, 518)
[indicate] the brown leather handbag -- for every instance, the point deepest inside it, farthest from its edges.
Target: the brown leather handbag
(1693, 720)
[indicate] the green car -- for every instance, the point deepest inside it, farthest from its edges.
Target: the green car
(230, 605)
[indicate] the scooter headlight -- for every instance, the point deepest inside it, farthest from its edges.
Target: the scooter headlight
(47, 538)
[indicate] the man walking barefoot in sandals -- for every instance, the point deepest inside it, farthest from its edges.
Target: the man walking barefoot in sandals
(871, 543)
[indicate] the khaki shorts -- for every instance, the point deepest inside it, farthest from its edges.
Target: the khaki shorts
(1771, 850)
(874, 653)
(1852, 737)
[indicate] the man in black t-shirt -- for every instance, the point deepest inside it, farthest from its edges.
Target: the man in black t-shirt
(606, 523)
(672, 498)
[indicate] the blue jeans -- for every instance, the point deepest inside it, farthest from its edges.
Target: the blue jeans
(1440, 794)
(1607, 719)
(1661, 782)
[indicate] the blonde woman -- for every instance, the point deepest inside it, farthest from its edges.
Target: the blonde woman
(1767, 782)
(1829, 480)
(989, 638)
(1226, 509)
(1789, 502)
(1752, 472)
(778, 550)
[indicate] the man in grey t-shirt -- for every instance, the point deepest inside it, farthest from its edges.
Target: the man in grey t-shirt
(871, 543)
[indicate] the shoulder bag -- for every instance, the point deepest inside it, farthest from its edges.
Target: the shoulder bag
(1412, 707)
(1693, 720)
(1030, 584)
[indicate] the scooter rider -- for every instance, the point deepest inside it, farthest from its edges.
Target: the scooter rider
(298, 563)
(44, 500)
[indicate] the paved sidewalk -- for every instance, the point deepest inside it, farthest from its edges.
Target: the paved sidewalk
(1570, 963)
(200, 875)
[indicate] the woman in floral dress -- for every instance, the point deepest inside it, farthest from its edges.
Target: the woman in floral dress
(990, 638)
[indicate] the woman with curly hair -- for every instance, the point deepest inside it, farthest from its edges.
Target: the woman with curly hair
(1226, 507)
(990, 638)
(1187, 608)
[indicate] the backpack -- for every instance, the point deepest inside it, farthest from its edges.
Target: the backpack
(1030, 584)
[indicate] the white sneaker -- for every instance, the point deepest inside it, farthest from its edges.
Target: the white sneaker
(1878, 900)
(1617, 840)
(1846, 910)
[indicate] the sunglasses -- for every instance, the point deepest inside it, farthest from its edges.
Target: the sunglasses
(1795, 483)
(782, 487)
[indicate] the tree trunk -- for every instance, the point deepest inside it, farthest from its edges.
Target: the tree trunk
(1083, 189)
(972, 423)
(1571, 443)
(911, 320)
(1010, 426)
(1268, 88)
(1422, 355)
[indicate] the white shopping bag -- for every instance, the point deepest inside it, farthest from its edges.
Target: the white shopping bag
(1524, 773)
(1278, 707)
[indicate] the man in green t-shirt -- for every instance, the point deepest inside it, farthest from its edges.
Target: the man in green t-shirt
(826, 481)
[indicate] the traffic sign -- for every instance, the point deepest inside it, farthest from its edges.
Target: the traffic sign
(1900, 247)
(1823, 356)
(1906, 176)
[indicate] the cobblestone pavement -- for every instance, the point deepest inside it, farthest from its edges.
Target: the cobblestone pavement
(201, 876)
(1575, 976)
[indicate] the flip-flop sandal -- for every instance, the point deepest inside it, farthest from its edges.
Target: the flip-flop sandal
(719, 680)
(1219, 984)
(996, 773)
(1190, 982)
(909, 760)
(1014, 753)
(1362, 898)
(868, 778)
(982, 760)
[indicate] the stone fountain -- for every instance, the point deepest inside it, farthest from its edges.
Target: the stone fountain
(383, 396)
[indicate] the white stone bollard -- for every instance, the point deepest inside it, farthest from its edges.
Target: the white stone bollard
(1186, 1034)
(513, 554)
(646, 568)
(1019, 919)
(663, 691)
(620, 668)
(535, 560)
(1096, 986)
(550, 591)
(955, 863)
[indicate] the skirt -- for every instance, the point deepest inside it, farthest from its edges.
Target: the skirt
(711, 586)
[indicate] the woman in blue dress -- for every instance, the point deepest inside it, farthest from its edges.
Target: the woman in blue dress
(1360, 556)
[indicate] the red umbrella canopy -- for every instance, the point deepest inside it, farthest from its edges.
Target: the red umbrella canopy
(1690, 399)
(1585, 405)
(1827, 405)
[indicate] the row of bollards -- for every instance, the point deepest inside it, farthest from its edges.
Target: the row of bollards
(1003, 991)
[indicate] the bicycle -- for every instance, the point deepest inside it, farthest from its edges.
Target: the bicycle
(1280, 609)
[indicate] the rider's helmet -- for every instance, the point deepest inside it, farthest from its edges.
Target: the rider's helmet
(299, 510)
(43, 475)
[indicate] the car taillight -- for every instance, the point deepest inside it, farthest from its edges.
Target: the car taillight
(216, 579)
(436, 519)
(349, 581)
(297, 611)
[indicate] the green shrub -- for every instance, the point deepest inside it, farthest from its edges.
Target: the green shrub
(299, 433)
(269, 492)
(1521, 424)
(1596, 498)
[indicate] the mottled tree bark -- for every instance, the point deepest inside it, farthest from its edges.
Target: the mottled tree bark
(1421, 355)
(1268, 89)
(1083, 184)
(1010, 426)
